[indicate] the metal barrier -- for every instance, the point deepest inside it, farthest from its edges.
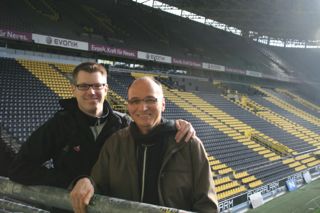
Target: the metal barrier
(59, 198)
(18, 207)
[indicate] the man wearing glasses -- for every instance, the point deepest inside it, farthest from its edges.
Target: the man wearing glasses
(144, 163)
(68, 145)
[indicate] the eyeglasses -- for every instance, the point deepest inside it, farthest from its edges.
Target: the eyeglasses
(84, 87)
(147, 101)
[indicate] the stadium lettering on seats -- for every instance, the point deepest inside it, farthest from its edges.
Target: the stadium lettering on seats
(264, 189)
(225, 204)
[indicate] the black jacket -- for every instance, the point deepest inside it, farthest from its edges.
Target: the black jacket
(150, 149)
(66, 144)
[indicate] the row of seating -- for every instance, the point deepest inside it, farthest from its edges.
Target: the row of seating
(287, 120)
(26, 102)
(292, 110)
(281, 170)
(295, 101)
(238, 163)
(258, 123)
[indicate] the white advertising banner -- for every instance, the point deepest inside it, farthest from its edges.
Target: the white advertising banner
(154, 57)
(60, 42)
(253, 73)
(213, 67)
(256, 200)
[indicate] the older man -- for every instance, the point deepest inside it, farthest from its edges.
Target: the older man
(143, 162)
(68, 145)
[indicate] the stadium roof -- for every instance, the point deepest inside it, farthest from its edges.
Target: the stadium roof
(294, 19)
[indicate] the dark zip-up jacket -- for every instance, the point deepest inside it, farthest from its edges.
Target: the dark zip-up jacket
(150, 149)
(64, 147)
(184, 180)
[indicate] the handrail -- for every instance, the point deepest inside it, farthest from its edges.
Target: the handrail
(10, 206)
(59, 198)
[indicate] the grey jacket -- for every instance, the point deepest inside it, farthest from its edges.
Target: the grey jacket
(184, 181)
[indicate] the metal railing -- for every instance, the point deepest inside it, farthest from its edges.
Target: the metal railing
(59, 198)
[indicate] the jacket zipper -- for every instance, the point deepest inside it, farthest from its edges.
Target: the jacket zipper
(96, 127)
(143, 172)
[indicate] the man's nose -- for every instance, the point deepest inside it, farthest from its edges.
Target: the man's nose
(91, 90)
(143, 106)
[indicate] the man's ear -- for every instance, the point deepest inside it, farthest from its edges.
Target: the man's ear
(163, 104)
(73, 88)
(106, 89)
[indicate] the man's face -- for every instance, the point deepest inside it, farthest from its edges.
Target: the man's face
(145, 104)
(90, 101)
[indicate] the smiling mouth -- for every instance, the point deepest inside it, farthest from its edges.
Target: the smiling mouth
(144, 116)
(92, 98)
(92, 101)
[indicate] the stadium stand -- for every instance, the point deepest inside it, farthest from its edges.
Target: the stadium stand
(298, 102)
(6, 157)
(239, 162)
(142, 28)
(25, 101)
(304, 64)
(256, 137)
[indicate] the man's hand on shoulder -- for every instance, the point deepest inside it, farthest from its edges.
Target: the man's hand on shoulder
(185, 130)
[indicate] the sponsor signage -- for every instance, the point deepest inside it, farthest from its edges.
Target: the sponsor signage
(253, 73)
(234, 70)
(60, 42)
(113, 51)
(264, 189)
(274, 186)
(291, 185)
(154, 57)
(307, 177)
(227, 204)
(256, 200)
(14, 35)
(186, 62)
(216, 67)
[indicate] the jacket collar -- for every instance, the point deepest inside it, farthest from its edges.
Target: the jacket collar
(165, 127)
(71, 105)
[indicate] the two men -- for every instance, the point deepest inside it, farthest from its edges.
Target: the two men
(144, 163)
(69, 144)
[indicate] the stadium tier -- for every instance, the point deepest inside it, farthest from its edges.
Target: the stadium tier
(239, 163)
(142, 28)
(255, 107)
(250, 142)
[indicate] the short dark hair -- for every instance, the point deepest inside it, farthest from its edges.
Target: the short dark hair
(89, 67)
